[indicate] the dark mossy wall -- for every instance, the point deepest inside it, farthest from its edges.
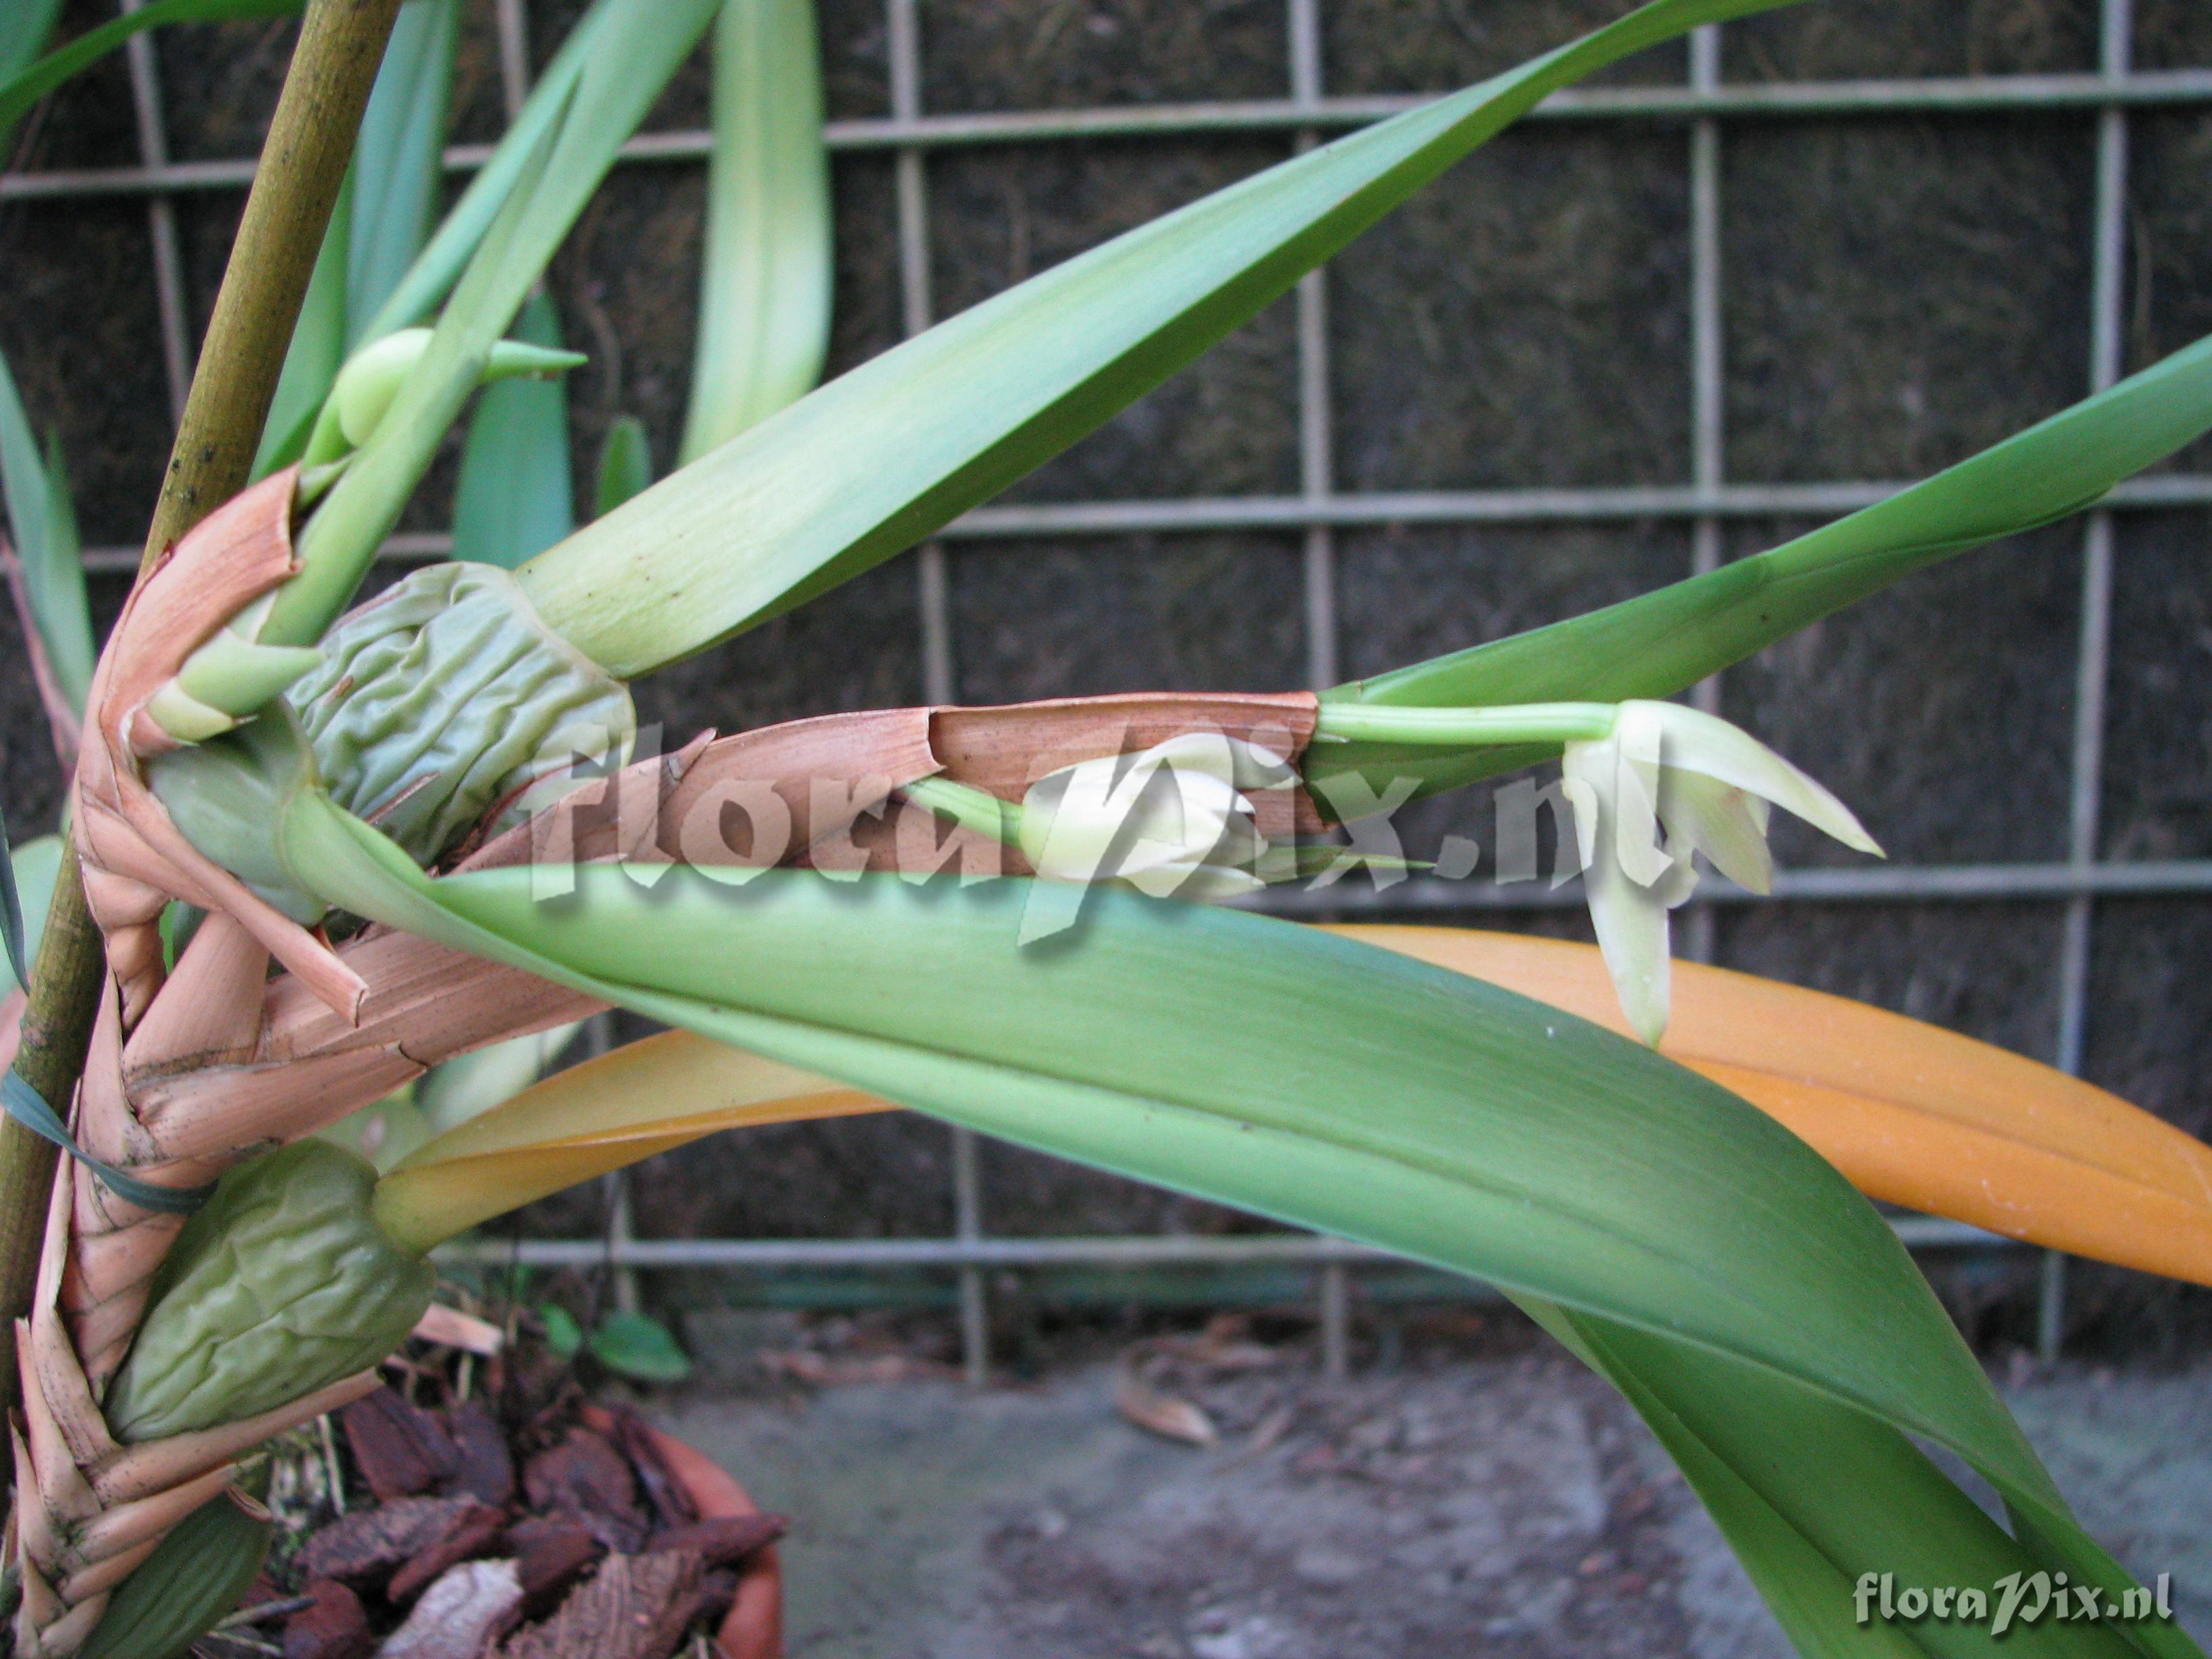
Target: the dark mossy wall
(1897, 290)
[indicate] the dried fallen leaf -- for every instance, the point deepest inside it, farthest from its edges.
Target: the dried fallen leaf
(461, 1615)
(449, 1328)
(1152, 1408)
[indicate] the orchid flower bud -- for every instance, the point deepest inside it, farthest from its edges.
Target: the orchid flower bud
(370, 381)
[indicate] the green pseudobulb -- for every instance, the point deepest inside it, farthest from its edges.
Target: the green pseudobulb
(447, 697)
(282, 1284)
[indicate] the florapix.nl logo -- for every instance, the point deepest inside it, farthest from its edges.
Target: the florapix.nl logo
(2017, 1601)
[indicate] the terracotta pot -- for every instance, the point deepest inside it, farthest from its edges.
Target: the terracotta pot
(754, 1628)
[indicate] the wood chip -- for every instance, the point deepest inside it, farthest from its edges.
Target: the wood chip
(486, 1472)
(670, 1499)
(552, 1552)
(636, 1606)
(365, 1548)
(729, 1540)
(584, 1476)
(461, 1615)
(399, 1449)
(477, 1529)
(332, 1627)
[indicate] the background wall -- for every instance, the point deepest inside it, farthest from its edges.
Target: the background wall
(1881, 289)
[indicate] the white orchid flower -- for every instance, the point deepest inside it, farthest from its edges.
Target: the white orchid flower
(1709, 784)
(1173, 821)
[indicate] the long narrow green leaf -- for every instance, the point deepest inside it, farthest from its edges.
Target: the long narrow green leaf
(1813, 1495)
(765, 285)
(635, 45)
(447, 253)
(399, 160)
(27, 86)
(625, 465)
(1288, 1073)
(44, 523)
(881, 457)
(1660, 643)
(318, 347)
(24, 26)
(515, 496)
(34, 867)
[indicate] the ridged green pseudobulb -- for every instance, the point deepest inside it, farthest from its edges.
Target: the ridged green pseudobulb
(283, 1283)
(446, 696)
(195, 1576)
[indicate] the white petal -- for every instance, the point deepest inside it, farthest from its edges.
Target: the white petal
(1116, 816)
(1586, 772)
(1721, 821)
(1195, 754)
(1261, 769)
(1633, 935)
(1635, 740)
(1702, 743)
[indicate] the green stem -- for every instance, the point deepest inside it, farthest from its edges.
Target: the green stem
(1464, 728)
(973, 809)
(310, 143)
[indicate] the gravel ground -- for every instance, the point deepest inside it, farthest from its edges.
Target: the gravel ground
(1510, 1505)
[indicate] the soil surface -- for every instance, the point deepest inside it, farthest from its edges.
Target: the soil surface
(1510, 1505)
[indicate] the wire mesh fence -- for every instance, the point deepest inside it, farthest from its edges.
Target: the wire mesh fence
(963, 121)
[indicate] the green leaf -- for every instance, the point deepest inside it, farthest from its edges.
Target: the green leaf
(399, 159)
(1813, 1495)
(515, 496)
(765, 286)
(563, 1334)
(462, 229)
(625, 464)
(884, 456)
(30, 872)
(382, 1133)
(641, 1348)
(24, 87)
(318, 347)
(24, 26)
(195, 1576)
(467, 1086)
(1293, 1074)
(1660, 643)
(635, 47)
(44, 523)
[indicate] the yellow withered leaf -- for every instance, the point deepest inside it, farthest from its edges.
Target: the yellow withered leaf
(643, 1098)
(1911, 1113)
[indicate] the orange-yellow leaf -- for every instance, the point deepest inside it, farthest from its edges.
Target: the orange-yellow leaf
(1911, 1113)
(643, 1098)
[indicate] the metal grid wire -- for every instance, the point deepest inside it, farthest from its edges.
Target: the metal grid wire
(1704, 107)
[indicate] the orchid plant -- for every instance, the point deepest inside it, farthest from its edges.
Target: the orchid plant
(328, 848)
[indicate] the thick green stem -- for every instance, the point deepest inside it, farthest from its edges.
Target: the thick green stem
(310, 144)
(976, 809)
(1464, 728)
